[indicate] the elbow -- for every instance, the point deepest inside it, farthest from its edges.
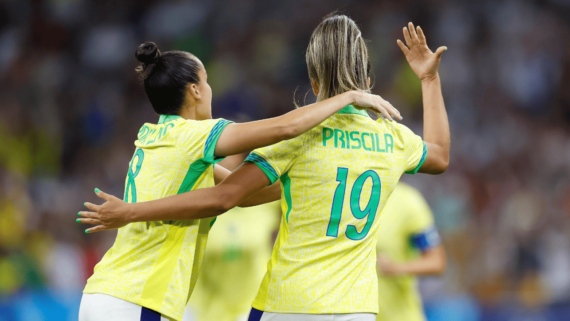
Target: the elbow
(439, 165)
(441, 264)
(442, 166)
(440, 268)
(225, 201)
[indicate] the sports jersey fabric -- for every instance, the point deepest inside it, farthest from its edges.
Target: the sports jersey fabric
(239, 246)
(155, 264)
(406, 229)
(335, 180)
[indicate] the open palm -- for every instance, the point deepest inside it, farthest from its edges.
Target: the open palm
(422, 60)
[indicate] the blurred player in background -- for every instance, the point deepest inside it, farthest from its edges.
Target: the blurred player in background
(239, 246)
(408, 246)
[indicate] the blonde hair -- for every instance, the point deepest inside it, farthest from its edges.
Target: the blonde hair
(337, 57)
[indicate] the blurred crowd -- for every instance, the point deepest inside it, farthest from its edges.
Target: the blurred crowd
(71, 106)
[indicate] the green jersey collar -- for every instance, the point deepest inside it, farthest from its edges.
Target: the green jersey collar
(166, 118)
(351, 110)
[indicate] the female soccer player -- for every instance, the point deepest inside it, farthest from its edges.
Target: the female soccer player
(155, 265)
(408, 246)
(335, 180)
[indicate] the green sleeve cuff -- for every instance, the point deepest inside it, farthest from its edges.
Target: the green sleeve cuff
(422, 160)
(264, 166)
(212, 140)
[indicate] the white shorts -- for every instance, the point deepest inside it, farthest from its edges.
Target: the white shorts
(102, 307)
(256, 315)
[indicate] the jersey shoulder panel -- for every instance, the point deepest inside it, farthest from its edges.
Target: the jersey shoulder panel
(407, 143)
(277, 159)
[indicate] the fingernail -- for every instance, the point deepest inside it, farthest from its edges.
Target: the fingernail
(445, 48)
(78, 220)
(97, 190)
(79, 214)
(84, 204)
(86, 231)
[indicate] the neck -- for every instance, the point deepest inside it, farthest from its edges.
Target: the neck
(187, 113)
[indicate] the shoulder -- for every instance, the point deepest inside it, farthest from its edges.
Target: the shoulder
(399, 131)
(199, 124)
(200, 128)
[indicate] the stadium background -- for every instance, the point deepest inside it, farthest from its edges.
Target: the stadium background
(70, 108)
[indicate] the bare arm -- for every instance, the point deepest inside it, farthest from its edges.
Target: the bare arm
(436, 126)
(206, 202)
(267, 194)
(240, 138)
(432, 262)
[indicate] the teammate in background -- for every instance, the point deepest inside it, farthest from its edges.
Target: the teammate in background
(151, 269)
(335, 180)
(408, 246)
(239, 246)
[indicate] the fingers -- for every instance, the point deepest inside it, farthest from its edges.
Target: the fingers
(408, 38)
(421, 35)
(392, 110)
(93, 207)
(440, 51)
(385, 108)
(405, 49)
(88, 214)
(413, 33)
(91, 221)
(388, 111)
(96, 229)
(103, 195)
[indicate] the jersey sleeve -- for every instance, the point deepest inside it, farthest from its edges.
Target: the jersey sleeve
(420, 225)
(415, 150)
(276, 160)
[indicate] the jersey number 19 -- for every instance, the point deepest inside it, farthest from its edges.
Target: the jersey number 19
(369, 212)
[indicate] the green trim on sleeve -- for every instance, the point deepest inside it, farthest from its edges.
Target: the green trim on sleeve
(212, 140)
(198, 167)
(286, 181)
(264, 166)
(422, 160)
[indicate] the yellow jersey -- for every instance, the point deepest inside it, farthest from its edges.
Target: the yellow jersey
(155, 264)
(335, 180)
(406, 229)
(239, 247)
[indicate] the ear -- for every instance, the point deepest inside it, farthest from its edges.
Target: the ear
(315, 86)
(368, 79)
(194, 91)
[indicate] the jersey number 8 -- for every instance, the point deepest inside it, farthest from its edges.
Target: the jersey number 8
(369, 212)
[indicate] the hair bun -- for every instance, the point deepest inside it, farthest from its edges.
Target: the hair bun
(147, 53)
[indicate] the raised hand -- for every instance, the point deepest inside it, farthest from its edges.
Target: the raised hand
(111, 215)
(421, 59)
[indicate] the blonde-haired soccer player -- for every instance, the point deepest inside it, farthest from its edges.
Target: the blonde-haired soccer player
(335, 180)
(408, 246)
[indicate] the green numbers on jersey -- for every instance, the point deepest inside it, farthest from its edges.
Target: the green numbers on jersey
(131, 186)
(369, 212)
